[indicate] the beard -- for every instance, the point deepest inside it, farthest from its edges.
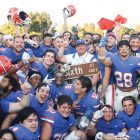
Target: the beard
(3, 90)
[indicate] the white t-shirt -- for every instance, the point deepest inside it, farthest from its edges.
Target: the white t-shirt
(74, 59)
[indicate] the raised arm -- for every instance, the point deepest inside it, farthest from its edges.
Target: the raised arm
(105, 81)
(60, 56)
(14, 107)
(102, 58)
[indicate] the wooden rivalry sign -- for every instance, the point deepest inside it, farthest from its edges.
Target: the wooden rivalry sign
(86, 69)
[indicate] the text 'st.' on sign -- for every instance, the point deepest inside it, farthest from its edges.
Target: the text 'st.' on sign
(86, 69)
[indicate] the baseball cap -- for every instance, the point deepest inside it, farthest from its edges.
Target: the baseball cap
(111, 34)
(80, 41)
(6, 37)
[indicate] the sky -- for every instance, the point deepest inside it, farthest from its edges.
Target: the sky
(87, 11)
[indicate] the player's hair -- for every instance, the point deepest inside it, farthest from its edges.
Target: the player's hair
(124, 34)
(85, 82)
(88, 33)
(46, 35)
(67, 32)
(7, 131)
(135, 36)
(108, 106)
(62, 99)
(41, 85)
(35, 35)
(97, 34)
(51, 51)
(123, 42)
(14, 83)
(25, 113)
(129, 98)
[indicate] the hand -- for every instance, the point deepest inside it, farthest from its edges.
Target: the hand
(54, 25)
(65, 14)
(102, 51)
(46, 80)
(103, 42)
(99, 136)
(121, 134)
(117, 27)
(31, 42)
(26, 87)
(98, 114)
(101, 95)
(91, 50)
(65, 68)
(33, 59)
(83, 123)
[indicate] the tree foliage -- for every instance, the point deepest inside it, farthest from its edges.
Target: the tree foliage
(39, 21)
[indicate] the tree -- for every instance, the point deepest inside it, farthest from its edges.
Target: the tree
(39, 21)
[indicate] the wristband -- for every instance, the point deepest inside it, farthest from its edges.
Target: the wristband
(17, 66)
(25, 62)
(94, 121)
(101, 57)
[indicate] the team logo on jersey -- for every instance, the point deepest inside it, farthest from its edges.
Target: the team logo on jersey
(95, 96)
(2, 49)
(15, 129)
(68, 86)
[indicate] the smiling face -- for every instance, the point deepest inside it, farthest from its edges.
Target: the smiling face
(108, 114)
(9, 43)
(18, 44)
(59, 78)
(64, 109)
(128, 107)
(47, 41)
(35, 81)
(31, 123)
(135, 44)
(49, 58)
(81, 49)
(124, 51)
(58, 42)
(42, 94)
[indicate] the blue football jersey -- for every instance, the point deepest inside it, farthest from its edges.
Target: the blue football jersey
(23, 133)
(87, 105)
(40, 108)
(115, 126)
(39, 66)
(130, 121)
(11, 97)
(4, 106)
(33, 102)
(133, 135)
(60, 125)
(125, 71)
(56, 90)
(8, 52)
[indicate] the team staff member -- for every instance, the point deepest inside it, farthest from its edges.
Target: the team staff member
(80, 57)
